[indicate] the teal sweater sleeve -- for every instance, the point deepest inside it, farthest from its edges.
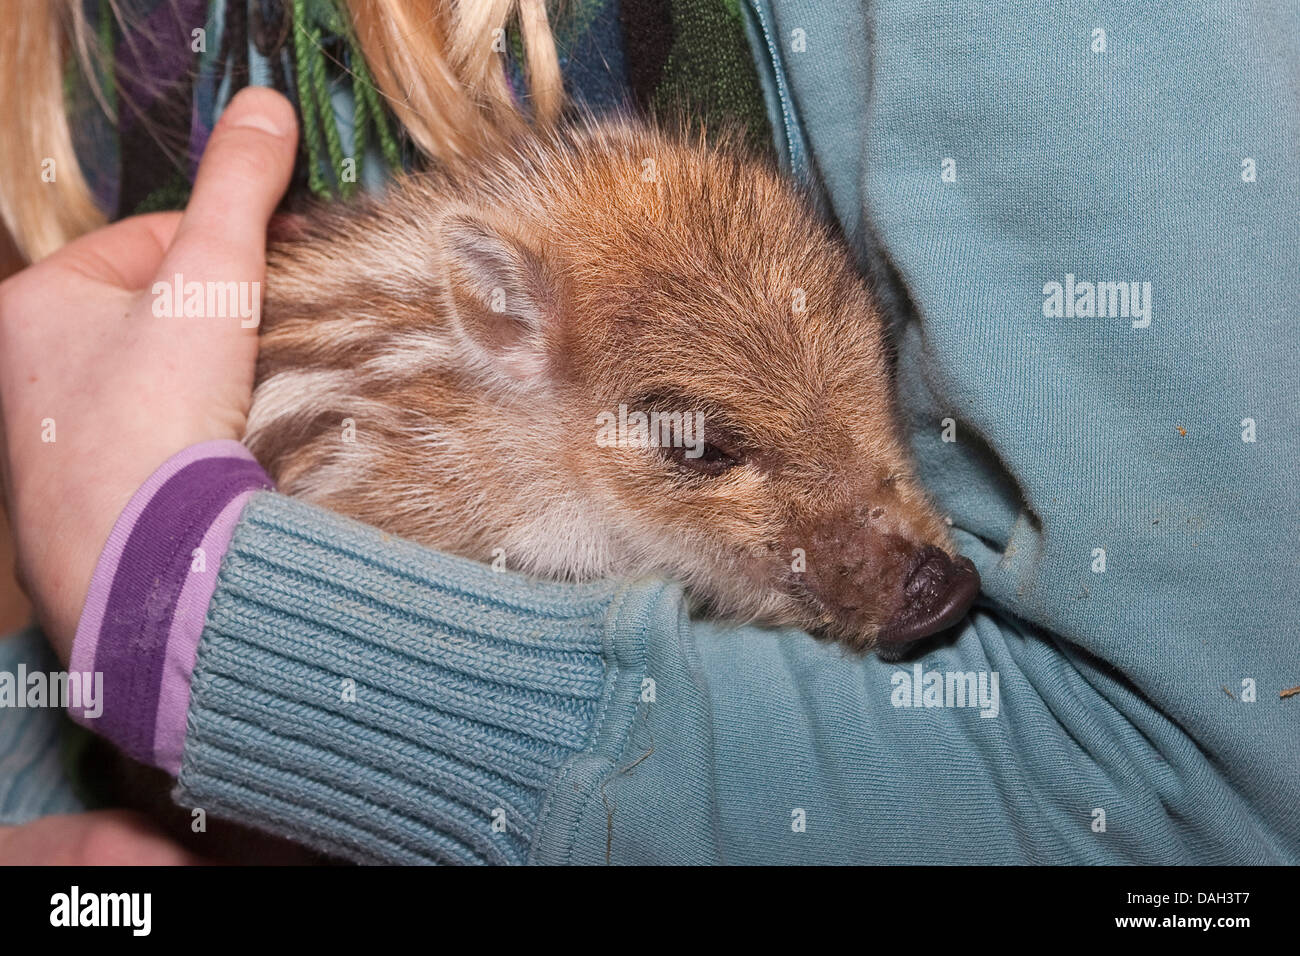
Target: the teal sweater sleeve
(382, 702)
(37, 741)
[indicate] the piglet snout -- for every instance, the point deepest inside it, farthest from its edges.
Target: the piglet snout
(937, 592)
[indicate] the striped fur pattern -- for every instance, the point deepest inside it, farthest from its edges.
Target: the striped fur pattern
(434, 364)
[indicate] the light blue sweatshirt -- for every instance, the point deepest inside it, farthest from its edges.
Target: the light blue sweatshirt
(1124, 479)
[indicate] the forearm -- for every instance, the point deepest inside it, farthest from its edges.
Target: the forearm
(384, 702)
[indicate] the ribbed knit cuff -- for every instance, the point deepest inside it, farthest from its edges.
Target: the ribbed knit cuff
(382, 702)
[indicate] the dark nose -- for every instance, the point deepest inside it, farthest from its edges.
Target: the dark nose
(937, 592)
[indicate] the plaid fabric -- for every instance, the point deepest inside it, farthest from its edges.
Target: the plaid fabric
(691, 57)
(154, 72)
(176, 63)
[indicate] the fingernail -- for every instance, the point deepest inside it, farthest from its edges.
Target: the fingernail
(259, 121)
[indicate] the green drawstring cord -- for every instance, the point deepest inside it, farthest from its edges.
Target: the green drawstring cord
(360, 127)
(302, 44)
(311, 20)
(320, 87)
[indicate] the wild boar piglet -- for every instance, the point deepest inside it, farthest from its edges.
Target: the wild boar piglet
(609, 351)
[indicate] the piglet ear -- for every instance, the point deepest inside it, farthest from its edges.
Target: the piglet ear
(501, 297)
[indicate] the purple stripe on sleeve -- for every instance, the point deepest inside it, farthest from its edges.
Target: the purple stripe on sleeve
(131, 615)
(183, 639)
(92, 615)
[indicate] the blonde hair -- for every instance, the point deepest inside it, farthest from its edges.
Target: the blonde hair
(436, 62)
(40, 215)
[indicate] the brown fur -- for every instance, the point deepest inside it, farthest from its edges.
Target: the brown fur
(636, 267)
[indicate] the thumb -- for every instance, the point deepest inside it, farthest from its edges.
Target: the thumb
(244, 172)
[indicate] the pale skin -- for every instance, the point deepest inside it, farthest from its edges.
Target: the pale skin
(101, 838)
(84, 360)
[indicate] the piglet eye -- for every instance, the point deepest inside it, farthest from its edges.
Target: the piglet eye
(707, 459)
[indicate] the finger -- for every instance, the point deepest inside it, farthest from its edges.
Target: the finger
(244, 172)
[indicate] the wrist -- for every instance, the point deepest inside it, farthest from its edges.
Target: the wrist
(63, 518)
(148, 595)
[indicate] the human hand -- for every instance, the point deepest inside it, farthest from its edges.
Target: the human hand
(97, 390)
(100, 838)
